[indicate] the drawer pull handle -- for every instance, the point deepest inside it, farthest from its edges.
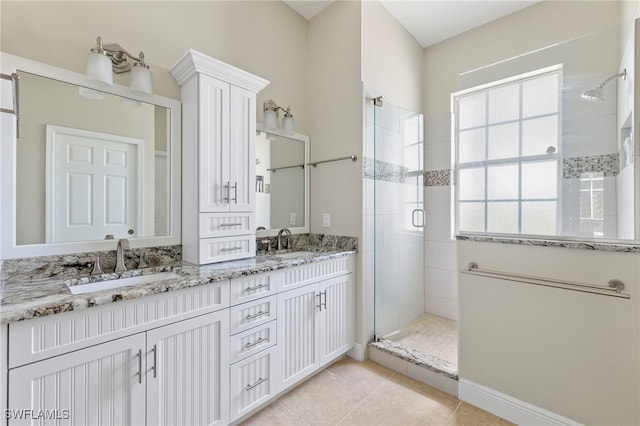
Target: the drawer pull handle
(155, 361)
(231, 249)
(259, 314)
(258, 287)
(257, 342)
(229, 224)
(259, 382)
(139, 373)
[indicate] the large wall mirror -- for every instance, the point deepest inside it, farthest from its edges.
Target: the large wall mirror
(282, 182)
(91, 164)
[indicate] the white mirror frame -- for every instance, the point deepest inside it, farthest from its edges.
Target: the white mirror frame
(304, 139)
(8, 247)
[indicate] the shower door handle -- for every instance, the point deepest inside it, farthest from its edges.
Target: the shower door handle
(420, 214)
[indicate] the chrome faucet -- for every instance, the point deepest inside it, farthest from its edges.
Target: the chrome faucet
(287, 233)
(123, 244)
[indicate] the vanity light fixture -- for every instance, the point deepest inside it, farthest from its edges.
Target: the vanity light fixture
(107, 58)
(270, 118)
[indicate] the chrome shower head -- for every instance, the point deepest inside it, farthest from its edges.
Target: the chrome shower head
(595, 94)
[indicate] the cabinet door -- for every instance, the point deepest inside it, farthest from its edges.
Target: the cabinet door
(242, 150)
(100, 385)
(298, 329)
(188, 372)
(253, 381)
(213, 127)
(337, 317)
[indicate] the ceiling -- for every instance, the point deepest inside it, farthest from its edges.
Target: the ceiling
(431, 21)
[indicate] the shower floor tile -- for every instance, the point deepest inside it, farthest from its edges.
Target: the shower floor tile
(432, 335)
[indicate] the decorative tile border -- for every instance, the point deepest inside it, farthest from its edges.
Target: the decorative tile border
(439, 177)
(381, 170)
(608, 164)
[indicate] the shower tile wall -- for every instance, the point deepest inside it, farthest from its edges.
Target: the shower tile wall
(441, 285)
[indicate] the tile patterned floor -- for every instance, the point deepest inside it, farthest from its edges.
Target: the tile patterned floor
(365, 393)
(431, 335)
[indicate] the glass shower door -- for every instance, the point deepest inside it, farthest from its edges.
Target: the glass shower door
(398, 218)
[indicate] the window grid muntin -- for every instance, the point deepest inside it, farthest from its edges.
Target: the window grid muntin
(513, 160)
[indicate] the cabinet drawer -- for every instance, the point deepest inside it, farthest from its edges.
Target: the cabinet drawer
(253, 381)
(227, 248)
(225, 225)
(252, 287)
(249, 315)
(252, 341)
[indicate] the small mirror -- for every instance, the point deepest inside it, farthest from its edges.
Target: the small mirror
(282, 196)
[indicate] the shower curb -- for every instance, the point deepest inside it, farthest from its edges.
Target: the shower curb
(418, 358)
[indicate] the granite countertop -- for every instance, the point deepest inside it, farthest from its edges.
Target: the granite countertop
(23, 297)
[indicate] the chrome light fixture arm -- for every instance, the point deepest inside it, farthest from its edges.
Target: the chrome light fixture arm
(272, 106)
(120, 58)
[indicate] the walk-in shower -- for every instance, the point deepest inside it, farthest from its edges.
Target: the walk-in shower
(395, 216)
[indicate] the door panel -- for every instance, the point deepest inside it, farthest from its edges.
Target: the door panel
(99, 385)
(188, 372)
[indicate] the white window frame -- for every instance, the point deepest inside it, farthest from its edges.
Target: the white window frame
(555, 69)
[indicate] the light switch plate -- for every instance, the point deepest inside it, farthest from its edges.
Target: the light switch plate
(326, 220)
(292, 218)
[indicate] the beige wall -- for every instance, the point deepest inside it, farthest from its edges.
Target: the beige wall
(392, 60)
(335, 123)
(574, 354)
(265, 38)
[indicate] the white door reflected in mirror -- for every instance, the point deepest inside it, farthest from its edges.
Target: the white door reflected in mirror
(93, 181)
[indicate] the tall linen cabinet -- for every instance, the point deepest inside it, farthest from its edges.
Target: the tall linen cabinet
(218, 158)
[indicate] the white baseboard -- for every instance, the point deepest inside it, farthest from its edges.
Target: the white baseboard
(507, 407)
(357, 352)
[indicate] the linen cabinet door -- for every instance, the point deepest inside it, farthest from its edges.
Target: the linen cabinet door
(188, 372)
(242, 150)
(100, 385)
(298, 332)
(337, 317)
(213, 129)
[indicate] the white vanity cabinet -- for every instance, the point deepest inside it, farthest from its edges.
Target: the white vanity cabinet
(159, 360)
(316, 324)
(218, 156)
(211, 354)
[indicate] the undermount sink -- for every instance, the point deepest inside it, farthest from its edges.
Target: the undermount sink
(296, 255)
(122, 282)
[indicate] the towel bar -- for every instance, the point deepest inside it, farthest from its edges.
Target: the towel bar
(614, 288)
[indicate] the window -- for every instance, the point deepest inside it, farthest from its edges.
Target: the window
(507, 142)
(413, 189)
